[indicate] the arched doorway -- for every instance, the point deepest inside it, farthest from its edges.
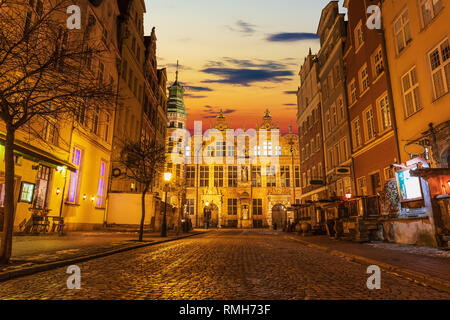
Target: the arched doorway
(211, 215)
(279, 213)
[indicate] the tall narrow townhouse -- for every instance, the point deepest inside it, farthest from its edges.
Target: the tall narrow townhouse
(85, 191)
(417, 41)
(336, 131)
(369, 103)
(124, 204)
(418, 50)
(312, 168)
(129, 122)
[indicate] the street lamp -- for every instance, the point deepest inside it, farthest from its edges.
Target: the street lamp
(167, 178)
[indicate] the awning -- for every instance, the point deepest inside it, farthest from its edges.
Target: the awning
(37, 155)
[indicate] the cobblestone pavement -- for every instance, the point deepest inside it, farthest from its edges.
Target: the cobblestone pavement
(225, 265)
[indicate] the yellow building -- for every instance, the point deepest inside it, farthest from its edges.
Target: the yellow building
(241, 178)
(418, 50)
(64, 170)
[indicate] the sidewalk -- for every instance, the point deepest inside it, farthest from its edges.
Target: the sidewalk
(425, 265)
(33, 254)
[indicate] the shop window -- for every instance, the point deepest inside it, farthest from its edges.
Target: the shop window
(27, 192)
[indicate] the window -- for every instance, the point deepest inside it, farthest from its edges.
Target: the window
(328, 120)
(52, 133)
(204, 176)
(340, 104)
(187, 152)
(352, 91)
(95, 120)
(356, 130)
(218, 176)
(376, 182)
(363, 79)
(359, 37)
(304, 181)
(278, 151)
(101, 186)
(232, 177)
(369, 124)
(27, 192)
(339, 188)
(210, 152)
(190, 176)
(318, 142)
(389, 173)
(257, 151)
(220, 148)
(337, 154)
(267, 148)
(308, 153)
(362, 188)
(190, 206)
(178, 171)
(334, 115)
(377, 62)
(230, 151)
(440, 68)
(319, 170)
(232, 207)
(257, 207)
(74, 181)
(297, 176)
(402, 31)
(429, 8)
(285, 176)
(411, 94)
(271, 174)
(344, 150)
(256, 176)
(385, 114)
(330, 158)
(308, 177)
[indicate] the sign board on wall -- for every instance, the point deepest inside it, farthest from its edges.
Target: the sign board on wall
(409, 187)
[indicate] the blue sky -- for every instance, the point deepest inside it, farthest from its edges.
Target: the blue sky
(242, 56)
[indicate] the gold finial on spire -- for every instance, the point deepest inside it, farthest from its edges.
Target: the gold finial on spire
(178, 65)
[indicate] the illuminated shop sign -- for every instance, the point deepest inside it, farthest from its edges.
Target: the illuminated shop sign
(409, 186)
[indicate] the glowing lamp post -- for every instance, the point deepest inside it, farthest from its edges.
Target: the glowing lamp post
(348, 196)
(167, 178)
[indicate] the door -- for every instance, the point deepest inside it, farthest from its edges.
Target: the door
(279, 216)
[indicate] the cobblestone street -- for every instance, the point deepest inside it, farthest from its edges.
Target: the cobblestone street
(228, 265)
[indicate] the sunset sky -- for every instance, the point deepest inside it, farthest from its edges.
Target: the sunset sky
(239, 55)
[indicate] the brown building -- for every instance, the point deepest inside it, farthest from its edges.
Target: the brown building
(312, 169)
(374, 146)
(336, 132)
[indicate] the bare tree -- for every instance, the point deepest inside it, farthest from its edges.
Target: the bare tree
(46, 72)
(144, 162)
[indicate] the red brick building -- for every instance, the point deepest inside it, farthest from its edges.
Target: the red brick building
(371, 117)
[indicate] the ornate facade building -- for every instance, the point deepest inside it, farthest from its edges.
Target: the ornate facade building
(241, 179)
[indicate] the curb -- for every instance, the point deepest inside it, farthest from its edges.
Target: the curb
(407, 274)
(8, 275)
